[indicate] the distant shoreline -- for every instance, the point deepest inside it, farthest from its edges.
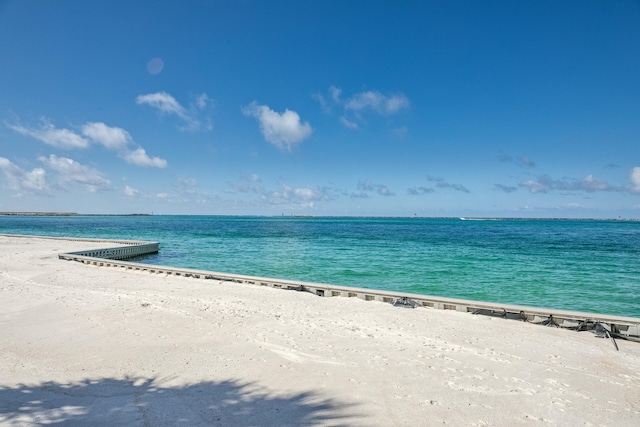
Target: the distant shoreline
(63, 214)
(331, 216)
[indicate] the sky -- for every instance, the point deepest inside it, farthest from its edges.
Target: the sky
(327, 108)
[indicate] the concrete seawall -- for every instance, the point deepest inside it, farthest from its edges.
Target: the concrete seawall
(616, 326)
(132, 250)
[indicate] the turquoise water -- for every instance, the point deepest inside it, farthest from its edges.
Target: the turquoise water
(585, 265)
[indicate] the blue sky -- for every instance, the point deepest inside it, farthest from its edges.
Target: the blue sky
(399, 108)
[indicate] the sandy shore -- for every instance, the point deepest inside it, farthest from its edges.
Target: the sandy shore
(85, 345)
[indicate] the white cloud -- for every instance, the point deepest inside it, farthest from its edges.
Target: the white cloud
(50, 135)
(543, 185)
(359, 195)
(163, 102)
(70, 171)
(416, 191)
(293, 197)
(383, 190)
(130, 191)
(335, 94)
(168, 105)
(21, 181)
(355, 106)
(506, 188)
(366, 185)
(139, 157)
(113, 138)
(376, 101)
(634, 176)
(282, 130)
(323, 103)
(187, 182)
(441, 183)
(302, 196)
(526, 161)
(248, 184)
(348, 123)
(201, 101)
(522, 160)
(589, 184)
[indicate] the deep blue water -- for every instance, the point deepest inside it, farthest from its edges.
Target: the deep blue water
(585, 265)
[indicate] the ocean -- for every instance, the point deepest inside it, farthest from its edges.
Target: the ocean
(584, 265)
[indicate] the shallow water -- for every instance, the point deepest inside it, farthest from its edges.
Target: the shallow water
(585, 265)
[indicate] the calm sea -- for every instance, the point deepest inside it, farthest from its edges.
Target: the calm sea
(585, 265)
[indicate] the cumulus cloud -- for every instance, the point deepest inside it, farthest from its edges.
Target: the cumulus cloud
(301, 196)
(248, 184)
(21, 181)
(376, 101)
(520, 160)
(526, 161)
(359, 195)
(542, 185)
(50, 135)
(383, 190)
(506, 188)
(284, 194)
(118, 139)
(202, 100)
(366, 186)
(166, 104)
(634, 176)
(589, 184)
(284, 130)
(187, 186)
(113, 138)
(130, 191)
(139, 157)
(67, 171)
(163, 102)
(358, 104)
(348, 123)
(417, 191)
(71, 172)
(335, 93)
(441, 183)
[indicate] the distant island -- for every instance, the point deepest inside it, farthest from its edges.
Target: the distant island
(64, 214)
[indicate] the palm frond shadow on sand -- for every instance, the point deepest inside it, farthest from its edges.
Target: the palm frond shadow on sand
(144, 401)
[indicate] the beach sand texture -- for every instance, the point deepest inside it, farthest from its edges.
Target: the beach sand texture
(88, 345)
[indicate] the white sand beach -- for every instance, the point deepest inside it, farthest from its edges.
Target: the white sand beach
(88, 345)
